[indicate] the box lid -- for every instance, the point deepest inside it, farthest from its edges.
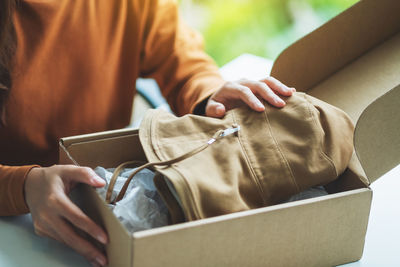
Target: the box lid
(377, 135)
(349, 62)
(338, 42)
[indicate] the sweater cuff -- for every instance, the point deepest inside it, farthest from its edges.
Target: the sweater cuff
(16, 189)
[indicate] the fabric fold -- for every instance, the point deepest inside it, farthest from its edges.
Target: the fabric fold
(275, 155)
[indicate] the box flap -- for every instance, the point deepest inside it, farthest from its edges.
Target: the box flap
(107, 149)
(329, 48)
(67, 141)
(377, 135)
(361, 82)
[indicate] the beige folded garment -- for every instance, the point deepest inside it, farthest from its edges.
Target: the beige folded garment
(275, 154)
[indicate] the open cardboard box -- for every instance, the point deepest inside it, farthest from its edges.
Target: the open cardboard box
(353, 62)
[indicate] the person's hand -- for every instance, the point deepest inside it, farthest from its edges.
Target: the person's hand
(235, 94)
(53, 213)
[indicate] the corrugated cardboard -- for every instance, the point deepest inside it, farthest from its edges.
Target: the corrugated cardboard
(377, 136)
(349, 62)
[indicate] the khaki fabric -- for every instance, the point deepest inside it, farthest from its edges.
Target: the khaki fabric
(275, 154)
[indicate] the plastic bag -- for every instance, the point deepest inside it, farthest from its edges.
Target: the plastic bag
(142, 207)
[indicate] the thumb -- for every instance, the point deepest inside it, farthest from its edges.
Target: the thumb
(215, 109)
(83, 175)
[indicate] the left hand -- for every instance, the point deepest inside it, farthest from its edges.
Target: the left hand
(235, 94)
(54, 214)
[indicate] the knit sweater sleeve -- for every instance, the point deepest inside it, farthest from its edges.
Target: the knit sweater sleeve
(172, 53)
(12, 199)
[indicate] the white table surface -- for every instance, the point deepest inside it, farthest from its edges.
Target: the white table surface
(19, 246)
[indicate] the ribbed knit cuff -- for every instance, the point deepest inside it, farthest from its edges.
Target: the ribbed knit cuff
(15, 189)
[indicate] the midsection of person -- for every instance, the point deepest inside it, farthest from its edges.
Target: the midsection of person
(75, 73)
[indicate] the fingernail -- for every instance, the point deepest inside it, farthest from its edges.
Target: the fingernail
(102, 239)
(293, 89)
(97, 178)
(259, 104)
(101, 261)
(280, 101)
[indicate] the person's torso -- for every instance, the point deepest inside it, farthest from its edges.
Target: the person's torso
(75, 71)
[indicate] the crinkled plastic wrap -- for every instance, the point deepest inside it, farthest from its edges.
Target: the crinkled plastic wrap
(142, 207)
(316, 191)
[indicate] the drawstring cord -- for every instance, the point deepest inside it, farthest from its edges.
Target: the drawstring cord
(218, 135)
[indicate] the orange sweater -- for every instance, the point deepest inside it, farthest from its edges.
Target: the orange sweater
(75, 71)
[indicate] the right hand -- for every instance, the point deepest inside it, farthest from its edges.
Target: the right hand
(247, 92)
(53, 213)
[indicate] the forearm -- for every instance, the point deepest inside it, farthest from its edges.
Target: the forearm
(194, 81)
(172, 53)
(12, 180)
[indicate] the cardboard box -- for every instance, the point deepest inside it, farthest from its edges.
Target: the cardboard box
(353, 62)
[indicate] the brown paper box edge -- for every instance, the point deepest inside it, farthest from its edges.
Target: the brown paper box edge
(187, 231)
(142, 243)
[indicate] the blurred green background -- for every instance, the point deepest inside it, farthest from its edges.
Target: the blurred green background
(259, 27)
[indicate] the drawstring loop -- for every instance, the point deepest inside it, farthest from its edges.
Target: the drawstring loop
(218, 135)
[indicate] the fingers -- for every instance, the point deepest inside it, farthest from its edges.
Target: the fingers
(235, 94)
(278, 87)
(248, 97)
(266, 93)
(46, 232)
(74, 215)
(231, 95)
(82, 246)
(49, 223)
(53, 213)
